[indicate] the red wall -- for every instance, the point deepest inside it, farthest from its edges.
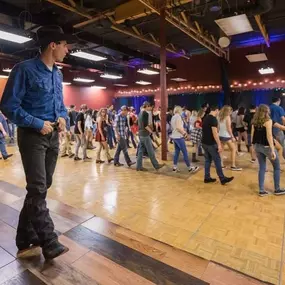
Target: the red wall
(73, 95)
(94, 98)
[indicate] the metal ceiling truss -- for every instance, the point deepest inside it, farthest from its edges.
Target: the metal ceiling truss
(182, 23)
(263, 29)
(148, 38)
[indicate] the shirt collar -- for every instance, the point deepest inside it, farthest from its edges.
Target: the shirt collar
(41, 65)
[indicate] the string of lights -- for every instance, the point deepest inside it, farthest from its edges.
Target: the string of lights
(249, 85)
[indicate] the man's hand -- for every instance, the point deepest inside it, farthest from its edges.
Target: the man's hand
(273, 155)
(61, 124)
(118, 137)
(4, 134)
(47, 128)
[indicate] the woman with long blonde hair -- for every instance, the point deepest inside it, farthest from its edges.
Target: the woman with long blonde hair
(101, 135)
(226, 135)
(264, 147)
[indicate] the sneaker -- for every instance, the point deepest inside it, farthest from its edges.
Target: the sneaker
(76, 158)
(160, 166)
(193, 169)
(226, 180)
(210, 180)
(110, 160)
(6, 157)
(175, 169)
(263, 193)
(234, 168)
(64, 155)
(54, 249)
(71, 155)
(118, 164)
(279, 192)
(100, 161)
(253, 160)
(131, 163)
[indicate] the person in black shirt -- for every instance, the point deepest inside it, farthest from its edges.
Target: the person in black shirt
(248, 122)
(80, 135)
(263, 141)
(212, 147)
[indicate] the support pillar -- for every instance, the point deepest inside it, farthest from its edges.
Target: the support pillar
(225, 82)
(163, 88)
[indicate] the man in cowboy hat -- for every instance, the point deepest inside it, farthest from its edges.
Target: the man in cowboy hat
(33, 100)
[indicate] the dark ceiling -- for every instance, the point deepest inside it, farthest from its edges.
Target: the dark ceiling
(125, 52)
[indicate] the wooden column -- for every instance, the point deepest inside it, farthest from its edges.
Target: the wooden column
(163, 88)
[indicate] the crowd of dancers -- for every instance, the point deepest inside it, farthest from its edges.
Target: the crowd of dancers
(209, 130)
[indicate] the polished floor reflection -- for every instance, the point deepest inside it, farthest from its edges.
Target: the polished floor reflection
(227, 225)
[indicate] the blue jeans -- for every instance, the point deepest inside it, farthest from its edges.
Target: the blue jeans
(111, 136)
(146, 144)
(122, 146)
(131, 135)
(180, 145)
(11, 130)
(262, 153)
(3, 146)
(211, 154)
(279, 135)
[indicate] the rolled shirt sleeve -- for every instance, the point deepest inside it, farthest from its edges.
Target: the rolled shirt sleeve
(13, 95)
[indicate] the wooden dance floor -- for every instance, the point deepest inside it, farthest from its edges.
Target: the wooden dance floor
(128, 227)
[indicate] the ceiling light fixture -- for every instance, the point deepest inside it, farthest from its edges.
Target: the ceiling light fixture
(79, 79)
(13, 37)
(256, 57)
(88, 56)
(148, 71)
(120, 85)
(141, 82)
(66, 83)
(7, 70)
(111, 76)
(235, 25)
(268, 70)
(98, 87)
(178, 79)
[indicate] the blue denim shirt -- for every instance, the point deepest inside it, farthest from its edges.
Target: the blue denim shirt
(276, 113)
(33, 94)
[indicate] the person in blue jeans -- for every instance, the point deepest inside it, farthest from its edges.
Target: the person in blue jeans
(264, 147)
(179, 135)
(121, 125)
(277, 114)
(3, 134)
(212, 147)
(145, 141)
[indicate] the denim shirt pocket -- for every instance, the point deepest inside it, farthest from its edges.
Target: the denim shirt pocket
(41, 85)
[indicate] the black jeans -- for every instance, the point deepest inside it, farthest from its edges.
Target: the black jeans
(39, 156)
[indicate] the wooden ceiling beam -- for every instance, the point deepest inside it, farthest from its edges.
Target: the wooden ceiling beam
(194, 33)
(152, 41)
(69, 8)
(262, 29)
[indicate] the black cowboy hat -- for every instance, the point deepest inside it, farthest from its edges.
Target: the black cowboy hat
(49, 34)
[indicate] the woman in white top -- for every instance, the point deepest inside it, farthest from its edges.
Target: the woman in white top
(179, 135)
(226, 135)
